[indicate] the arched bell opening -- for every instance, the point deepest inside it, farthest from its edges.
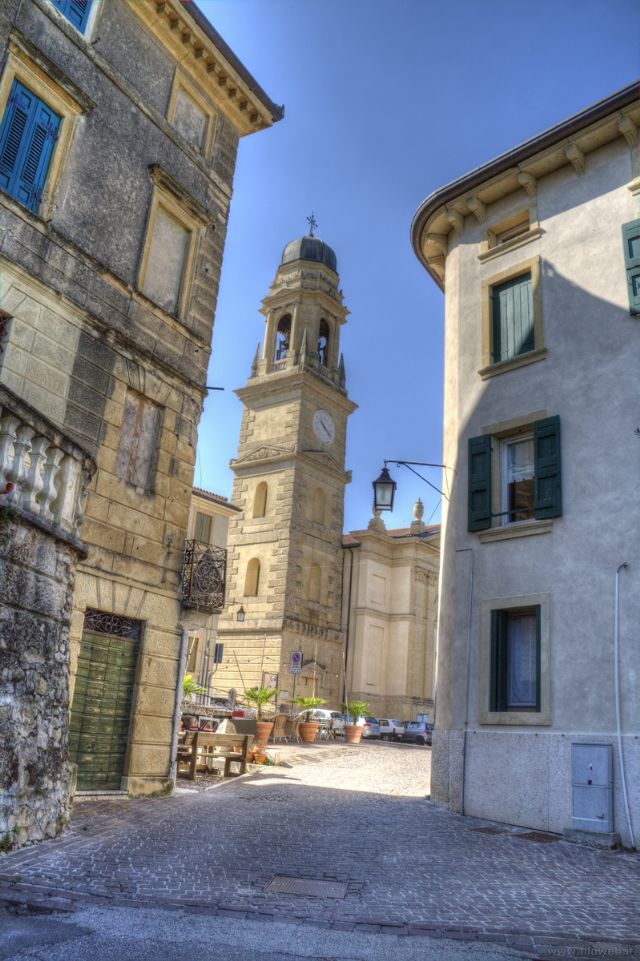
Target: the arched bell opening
(283, 337)
(324, 334)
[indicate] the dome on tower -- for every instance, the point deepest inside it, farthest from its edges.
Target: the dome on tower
(310, 248)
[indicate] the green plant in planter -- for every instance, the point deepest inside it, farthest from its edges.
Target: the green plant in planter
(308, 703)
(356, 709)
(190, 687)
(259, 696)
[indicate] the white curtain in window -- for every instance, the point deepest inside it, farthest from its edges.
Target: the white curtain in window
(522, 661)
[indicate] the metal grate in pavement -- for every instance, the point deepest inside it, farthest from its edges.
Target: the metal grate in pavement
(537, 836)
(308, 887)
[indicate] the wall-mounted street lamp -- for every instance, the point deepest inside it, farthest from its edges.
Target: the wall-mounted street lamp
(240, 615)
(384, 487)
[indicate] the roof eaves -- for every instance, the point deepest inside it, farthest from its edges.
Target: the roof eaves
(196, 14)
(549, 137)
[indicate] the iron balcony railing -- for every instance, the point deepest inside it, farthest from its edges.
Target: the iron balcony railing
(203, 576)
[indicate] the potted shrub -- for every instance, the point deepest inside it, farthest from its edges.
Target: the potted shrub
(190, 688)
(258, 697)
(309, 729)
(354, 709)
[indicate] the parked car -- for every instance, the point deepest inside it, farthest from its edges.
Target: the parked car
(418, 732)
(370, 726)
(391, 729)
(329, 720)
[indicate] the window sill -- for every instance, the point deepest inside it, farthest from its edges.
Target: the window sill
(519, 718)
(508, 531)
(520, 241)
(522, 360)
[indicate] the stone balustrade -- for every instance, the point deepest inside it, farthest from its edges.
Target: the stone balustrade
(42, 471)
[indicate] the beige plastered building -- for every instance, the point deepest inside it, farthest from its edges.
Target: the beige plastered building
(390, 597)
(538, 255)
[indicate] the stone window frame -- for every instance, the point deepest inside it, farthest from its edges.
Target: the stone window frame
(181, 83)
(539, 352)
(21, 67)
(501, 432)
(166, 200)
(490, 248)
(541, 718)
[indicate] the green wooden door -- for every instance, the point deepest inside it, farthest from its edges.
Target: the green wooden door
(101, 710)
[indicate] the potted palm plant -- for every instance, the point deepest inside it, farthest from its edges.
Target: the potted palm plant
(354, 710)
(308, 728)
(258, 697)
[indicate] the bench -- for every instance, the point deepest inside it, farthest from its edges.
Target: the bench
(200, 746)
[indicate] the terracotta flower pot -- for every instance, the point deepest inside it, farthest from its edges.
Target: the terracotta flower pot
(263, 730)
(352, 733)
(308, 731)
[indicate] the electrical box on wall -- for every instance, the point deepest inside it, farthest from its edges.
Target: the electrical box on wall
(592, 780)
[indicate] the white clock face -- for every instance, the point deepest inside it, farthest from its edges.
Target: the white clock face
(323, 427)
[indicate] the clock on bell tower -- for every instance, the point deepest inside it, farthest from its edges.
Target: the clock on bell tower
(284, 562)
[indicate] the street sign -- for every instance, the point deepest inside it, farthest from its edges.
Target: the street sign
(295, 662)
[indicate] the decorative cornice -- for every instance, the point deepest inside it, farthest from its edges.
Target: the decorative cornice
(520, 169)
(185, 31)
(166, 182)
(477, 208)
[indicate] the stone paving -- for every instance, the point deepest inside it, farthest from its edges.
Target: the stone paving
(353, 814)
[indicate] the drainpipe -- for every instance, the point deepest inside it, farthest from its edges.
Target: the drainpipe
(182, 657)
(616, 674)
(463, 550)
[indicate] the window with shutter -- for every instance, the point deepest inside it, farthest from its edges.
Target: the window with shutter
(512, 318)
(527, 479)
(76, 11)
(631, 240)
(28, 134)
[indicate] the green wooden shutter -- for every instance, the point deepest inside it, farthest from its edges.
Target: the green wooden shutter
(631, 241)
(546, 453)
(479, 483)
(499, 665)
(512, 318)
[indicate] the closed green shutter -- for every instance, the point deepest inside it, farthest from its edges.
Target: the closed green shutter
(203, 528)
(512, 318)
(631, 241)
(479, 483)
(548, 487)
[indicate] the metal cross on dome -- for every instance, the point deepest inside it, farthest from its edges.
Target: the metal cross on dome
(313, 223)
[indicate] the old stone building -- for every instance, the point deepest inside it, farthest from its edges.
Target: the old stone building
(538, 252)
(119, 123)
(284, 580)
(390, 591)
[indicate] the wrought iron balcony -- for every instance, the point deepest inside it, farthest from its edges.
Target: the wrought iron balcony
(203, 576)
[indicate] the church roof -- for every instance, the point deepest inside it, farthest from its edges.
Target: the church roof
(310, 248)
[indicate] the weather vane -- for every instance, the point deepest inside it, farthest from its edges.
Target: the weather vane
(313, 223)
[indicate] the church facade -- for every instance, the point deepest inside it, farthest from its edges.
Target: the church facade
(281, 626)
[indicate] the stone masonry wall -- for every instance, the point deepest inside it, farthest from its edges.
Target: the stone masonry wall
(36, 582)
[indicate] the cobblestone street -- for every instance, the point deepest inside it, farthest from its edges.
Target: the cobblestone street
(356, 815)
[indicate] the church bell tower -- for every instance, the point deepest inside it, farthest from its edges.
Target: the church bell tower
(284, 563)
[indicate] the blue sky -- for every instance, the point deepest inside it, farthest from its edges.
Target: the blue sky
(385, 101)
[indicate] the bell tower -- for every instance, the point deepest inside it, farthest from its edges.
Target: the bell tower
(284, 566)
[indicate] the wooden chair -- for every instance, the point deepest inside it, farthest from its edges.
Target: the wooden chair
(279, 732)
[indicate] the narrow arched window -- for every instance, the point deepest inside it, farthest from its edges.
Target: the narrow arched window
(283, 337)
(260, 500)
(323, 343)
(318, 506)
(252, 578)
(315, 576)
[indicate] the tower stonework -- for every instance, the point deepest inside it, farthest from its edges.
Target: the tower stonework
(284, 549)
